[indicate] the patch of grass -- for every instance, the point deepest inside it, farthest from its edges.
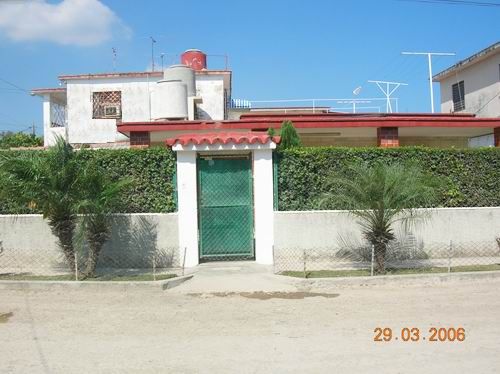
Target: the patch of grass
(327, 273)
(392, 271)
(109, 277)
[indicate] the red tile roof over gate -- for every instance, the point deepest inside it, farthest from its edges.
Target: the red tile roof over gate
(222, 138)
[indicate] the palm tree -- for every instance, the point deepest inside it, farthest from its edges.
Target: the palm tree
(48, 182)
(99, 200)
(379, 197)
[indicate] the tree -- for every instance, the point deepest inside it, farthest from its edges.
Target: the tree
(289, 136)
(48, 181)
(99, 200)
(381, 196)
(20, 139)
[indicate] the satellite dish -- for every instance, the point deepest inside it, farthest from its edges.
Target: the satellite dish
(357, 90)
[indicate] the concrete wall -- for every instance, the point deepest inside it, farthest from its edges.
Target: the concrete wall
(482, 85)
(211, 89)
(27, 244)
(82, 128)
(329, 229)
(136, 106)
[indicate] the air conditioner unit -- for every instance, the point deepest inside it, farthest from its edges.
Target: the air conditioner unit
(112, 111)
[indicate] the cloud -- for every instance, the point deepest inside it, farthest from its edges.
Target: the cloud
(69, 22)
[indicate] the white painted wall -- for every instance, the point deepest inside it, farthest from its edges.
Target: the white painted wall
(263, 205)
(136, 106)
(482, 85)
(324, 229)
(211, 89)
(82, 128)
(27, 243)
(187, 206)
(50, 133)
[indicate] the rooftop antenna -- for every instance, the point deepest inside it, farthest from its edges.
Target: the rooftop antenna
(113, 50)
(354, 102)
(152, 52)
(388, 90)
(357, 90)
(429, 58)
(162, 55)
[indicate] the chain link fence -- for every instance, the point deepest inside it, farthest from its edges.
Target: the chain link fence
(113, 264)
(399, 257)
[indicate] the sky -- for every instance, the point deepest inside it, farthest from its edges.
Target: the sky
(281, 49)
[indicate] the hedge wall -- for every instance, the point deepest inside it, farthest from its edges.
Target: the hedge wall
(152, 171)
(471, 177)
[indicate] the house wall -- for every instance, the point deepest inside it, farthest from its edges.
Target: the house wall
(327, 229)
(211, 89)
(82, 128)
(136, 106)
(435, 142)
(50, 134)
(482, 84)
(28, 245)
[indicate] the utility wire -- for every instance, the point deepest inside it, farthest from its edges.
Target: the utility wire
(14, 85)
(457, 2)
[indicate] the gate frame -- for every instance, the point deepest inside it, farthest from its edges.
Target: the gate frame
(263, 203)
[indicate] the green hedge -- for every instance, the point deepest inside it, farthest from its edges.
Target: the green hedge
(471, 177)
(152, 171)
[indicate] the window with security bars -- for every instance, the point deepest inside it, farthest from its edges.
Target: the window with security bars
(458, 93)
(107, 104)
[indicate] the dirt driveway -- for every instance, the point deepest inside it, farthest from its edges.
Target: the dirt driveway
(168, 332)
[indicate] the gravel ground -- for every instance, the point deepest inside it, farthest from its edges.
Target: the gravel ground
(80, 331)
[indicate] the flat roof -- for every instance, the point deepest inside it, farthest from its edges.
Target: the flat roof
(330, 120)
(41, 91)
(134, 74)
(471, 60)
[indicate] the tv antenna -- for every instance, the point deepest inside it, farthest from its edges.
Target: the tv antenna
(113, 50)
(388, 88)
(153, 41)
(429, 58)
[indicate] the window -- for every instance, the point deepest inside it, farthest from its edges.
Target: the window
(107, 104)
(458, 92)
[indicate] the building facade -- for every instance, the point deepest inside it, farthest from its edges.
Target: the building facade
(87, 108)
(142, 109)
(473, 86)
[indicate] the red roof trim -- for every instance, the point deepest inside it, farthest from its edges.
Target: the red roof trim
(222, 138)
(313, 122)
(35, 91)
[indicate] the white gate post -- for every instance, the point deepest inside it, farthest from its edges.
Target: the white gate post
(263, 205)
(187, 206)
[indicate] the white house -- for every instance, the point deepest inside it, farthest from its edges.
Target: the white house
(86, 109)
(473, 86)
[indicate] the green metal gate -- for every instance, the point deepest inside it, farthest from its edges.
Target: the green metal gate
(225, 205)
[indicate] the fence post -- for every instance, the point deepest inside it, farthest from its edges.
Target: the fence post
(450, 250)
(304, 262)
(373, 259)
(76, 266)
(184, 261)
(154, 264)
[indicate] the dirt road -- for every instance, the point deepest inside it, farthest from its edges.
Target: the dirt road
(171, 332)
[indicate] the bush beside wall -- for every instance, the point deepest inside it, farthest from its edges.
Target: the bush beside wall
(471, 177)
(151, 169)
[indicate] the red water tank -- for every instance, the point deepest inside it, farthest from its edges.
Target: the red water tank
(195, 59)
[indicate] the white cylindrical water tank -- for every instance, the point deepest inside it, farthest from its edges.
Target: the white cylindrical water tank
(169, 100)
(183, 73)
